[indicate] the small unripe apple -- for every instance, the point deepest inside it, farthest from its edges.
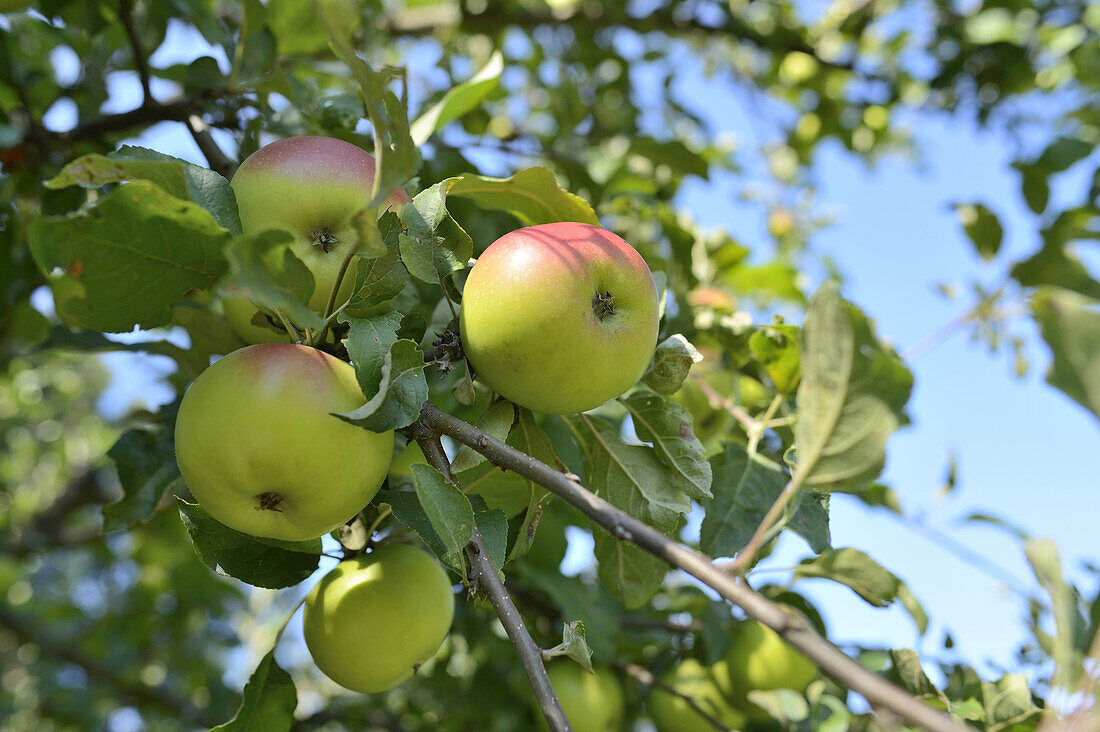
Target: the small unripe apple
(760, 659)
(258, 442)
(311, 187)
(371, 621)
(694, 680)
(591, 702)
(559, 318)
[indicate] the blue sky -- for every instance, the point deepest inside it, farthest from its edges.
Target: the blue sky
(1024, 451)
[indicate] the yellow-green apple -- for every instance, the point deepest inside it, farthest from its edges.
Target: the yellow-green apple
(694, 680)
(592, 702)
(371, 621)
(559, 317)
(258, 442)
(311, 187)
(760, 659)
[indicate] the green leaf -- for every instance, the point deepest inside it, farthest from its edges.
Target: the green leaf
(146, 465)
(497, 422)
(857, 571)
(395, 152)
(263, 269)
(493, 525)
(125, 260)
(433, 245)
(574, 645)
(297, 30)
(1064, 650)
(401, 391)
(631, 478)
(268, 701)
(775, 347)
(532, 195)
(1008, 702)
(1055, 265)
(851, 396)
(982, 226)
(589, 604)
(177, 177)
(368, 342)
(668, 427)
(448, 510)
(406, 507)
(909, 673)
(783, 704)
(1070, 325)
(257, 561)
(459, 100)
(673, 153)
(875, 495)
(672, 361)
(744, 488)
(380, 279)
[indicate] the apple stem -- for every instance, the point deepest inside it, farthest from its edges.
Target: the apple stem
(603, 305)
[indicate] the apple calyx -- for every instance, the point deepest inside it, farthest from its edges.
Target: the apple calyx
(603, 305)
(324, 240)
(269, 501)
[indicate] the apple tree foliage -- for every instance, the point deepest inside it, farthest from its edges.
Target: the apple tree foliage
(511, 113)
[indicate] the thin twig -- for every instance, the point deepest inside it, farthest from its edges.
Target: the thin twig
(717, 401)
(215, 156)
(647, 679)
(878, 691)
(141, 63)
(487, 578)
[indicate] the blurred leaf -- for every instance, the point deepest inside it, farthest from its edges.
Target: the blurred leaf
(982, 227)
(129, 257)
(775, 347)
(146, 465)
(875, 495)
(745, 487)
(667, 426)
(1008, 702)
(782, 704)
(865, 577)
(297, 29)
(532, 195)
(1042, 555)
(1070, 324)
(268, 701)
(258, 561)
(459, 99)
(671, 364)
(851, 396)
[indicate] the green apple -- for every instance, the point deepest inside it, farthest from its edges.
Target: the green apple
(311, 187)
(692, 679)
(371, 621)
(258, 442)
(560, 317)
(760, 659)
(591, 702)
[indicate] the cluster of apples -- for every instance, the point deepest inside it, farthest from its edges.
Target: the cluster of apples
(558, 318)
(758, 659)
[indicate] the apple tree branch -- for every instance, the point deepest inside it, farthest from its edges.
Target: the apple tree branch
(879, 692)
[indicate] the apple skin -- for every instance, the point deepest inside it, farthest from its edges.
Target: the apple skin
(311, 187)
(693, 679)
(760, 659)
(257, 442)
(591, 702)
(529, 321)
(370, 620)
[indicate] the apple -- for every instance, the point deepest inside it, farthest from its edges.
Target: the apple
(371, 621)
(592, 702)
(692, 679)
(559, 318)
(259, 445)
(311, 187)
(760, 659)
